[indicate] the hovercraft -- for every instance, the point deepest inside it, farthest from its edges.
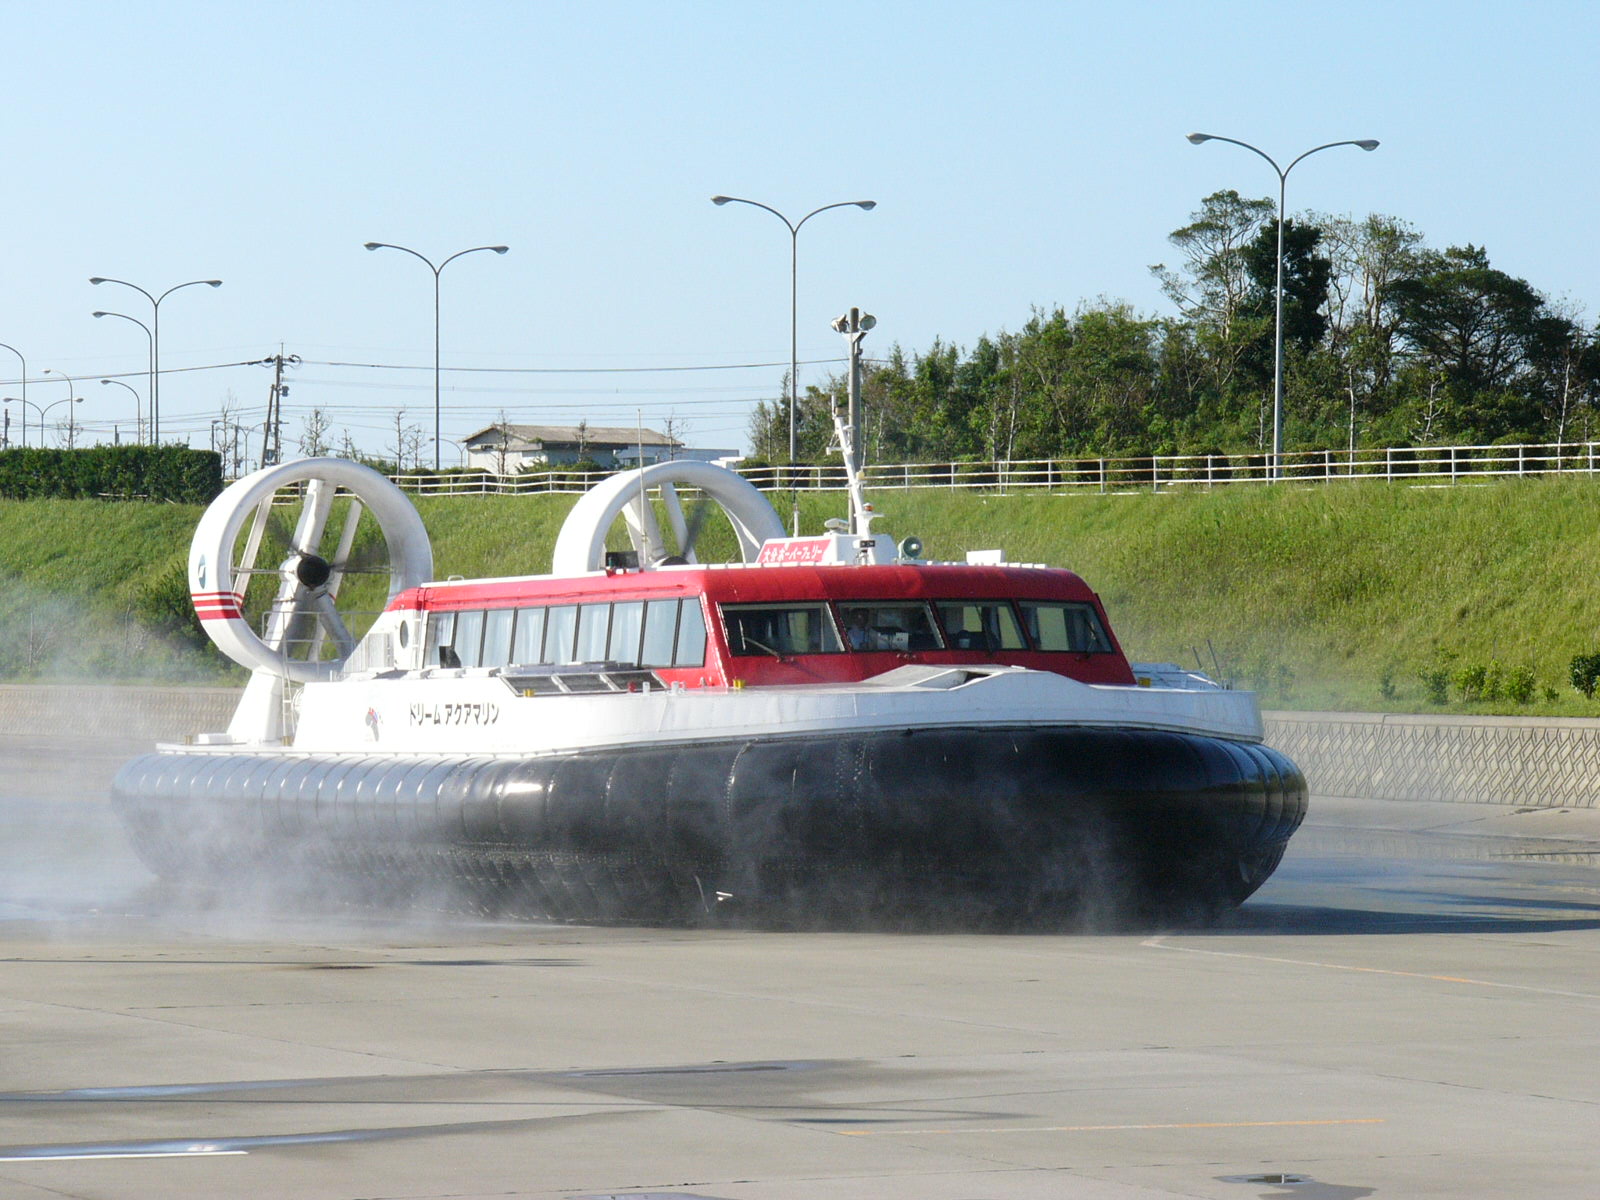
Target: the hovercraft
(827, 728)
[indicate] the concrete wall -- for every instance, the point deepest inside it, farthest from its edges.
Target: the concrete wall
(1524, 761)
(122, 714)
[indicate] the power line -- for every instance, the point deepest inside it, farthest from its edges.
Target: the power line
(572, 370)
(372, 366)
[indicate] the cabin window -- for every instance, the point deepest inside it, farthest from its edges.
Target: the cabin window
(436, 650)
(497, 636)
(529, 640)
(869, 626)
(468, 641)
(691, 636)
(594, 622)
(561, 627)
(660, 633)
(636, 632)
(627, 622)
(987, 626)
(1069, 627)
(780, 630)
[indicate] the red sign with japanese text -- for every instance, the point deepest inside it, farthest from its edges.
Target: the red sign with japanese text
(789, 552)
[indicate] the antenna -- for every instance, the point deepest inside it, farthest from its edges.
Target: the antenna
(644, 499)
(854, 325)
(861, 514)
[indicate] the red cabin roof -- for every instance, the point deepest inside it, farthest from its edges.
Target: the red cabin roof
(837, 584)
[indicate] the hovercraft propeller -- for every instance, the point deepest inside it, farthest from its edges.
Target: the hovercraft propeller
(581, 545)
(304, 634)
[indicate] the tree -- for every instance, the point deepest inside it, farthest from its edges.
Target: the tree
(502, 449)
(1486, 332)
(1111, 375)
(764, 428)
(1367, 258)
(1214, 284)
(1305, 282)
(407, 444)
(314, 437)
(676, 429)
(1477, 323)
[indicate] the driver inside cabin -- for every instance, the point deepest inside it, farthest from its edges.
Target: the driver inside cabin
(859, 634)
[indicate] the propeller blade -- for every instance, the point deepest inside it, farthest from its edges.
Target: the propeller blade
(644, 531)
(347, 538)
(696, 522)
(341, 555)
(289, 623)
(674, 507)
(686, 531)
(329, 622)
(252, 545)
(314, 516)
(283, 629)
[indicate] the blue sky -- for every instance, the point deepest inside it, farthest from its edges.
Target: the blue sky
(1021, 154)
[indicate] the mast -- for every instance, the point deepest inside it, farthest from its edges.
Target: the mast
(854, 325)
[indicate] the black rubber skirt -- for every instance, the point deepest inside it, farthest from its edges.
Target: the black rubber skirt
(965, 826)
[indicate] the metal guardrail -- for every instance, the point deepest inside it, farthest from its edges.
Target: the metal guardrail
(1130, 473)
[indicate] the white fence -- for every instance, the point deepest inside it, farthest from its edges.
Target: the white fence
(1148, 473)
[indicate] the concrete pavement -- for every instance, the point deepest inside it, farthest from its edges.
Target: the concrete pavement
(1410, 1008)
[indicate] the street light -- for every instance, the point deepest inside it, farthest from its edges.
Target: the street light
(794, 258)
(24, 396)
(461, 450)
(28, 404)
(41, 411)
(436, 273)
(138, 404)
(1277, 337)
(72, 398)
(155, 341)
(150, 338)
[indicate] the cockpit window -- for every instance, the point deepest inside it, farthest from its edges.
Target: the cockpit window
(780, 630)
(986, 625)
(1072, 627)
(870, 626)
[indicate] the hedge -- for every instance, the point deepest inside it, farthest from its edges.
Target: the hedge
(166, 473)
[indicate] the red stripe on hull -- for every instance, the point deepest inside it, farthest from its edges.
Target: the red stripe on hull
(217, 606)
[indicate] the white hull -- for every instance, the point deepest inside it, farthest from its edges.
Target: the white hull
(476, 713)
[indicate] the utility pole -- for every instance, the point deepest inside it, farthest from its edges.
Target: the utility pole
(272, 431)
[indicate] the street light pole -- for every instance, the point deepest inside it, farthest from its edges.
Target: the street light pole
(794, 265)
(437, 271)
(1277, 336)
(24, 396)
(461, 451)
(26, 405)
(72, 398)
(155, 341)
(150, 339)
(42, 411)
(138, 405)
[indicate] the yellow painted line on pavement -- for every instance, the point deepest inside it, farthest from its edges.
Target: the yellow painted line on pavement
(1160, 943)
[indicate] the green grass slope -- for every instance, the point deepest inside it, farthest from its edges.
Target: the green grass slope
(1318, 597)
(1336, 597)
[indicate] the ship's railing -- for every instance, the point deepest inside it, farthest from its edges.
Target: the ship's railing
(1112, 474)
(305, 641)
